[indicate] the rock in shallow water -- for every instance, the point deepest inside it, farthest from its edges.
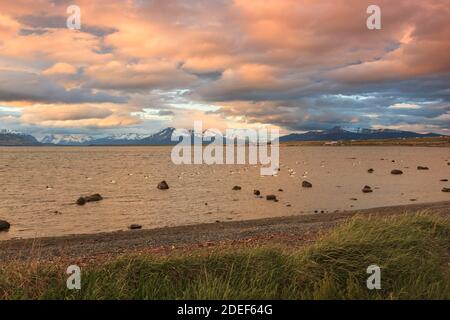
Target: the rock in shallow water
(4, 225)
(92, 198)
(306, 184)
(163, 185)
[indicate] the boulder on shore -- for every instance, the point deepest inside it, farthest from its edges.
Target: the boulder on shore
(445, 189)
(396, 172)
(306, 184)
(237, 188)
(367, 189)
(135, 226)
(370, 170)
(271, 197)
(256, 192)
(163, 185)
(4, 225)
(422, 168)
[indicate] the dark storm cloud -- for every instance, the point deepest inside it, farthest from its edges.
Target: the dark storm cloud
(328, 104)
(27, 86)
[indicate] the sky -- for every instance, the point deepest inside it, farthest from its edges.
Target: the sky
(297, 65)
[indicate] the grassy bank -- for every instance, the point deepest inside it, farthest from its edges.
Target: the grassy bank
(412, 251)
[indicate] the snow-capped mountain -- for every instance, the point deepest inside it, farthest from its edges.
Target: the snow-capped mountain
(119, 139)
(7, 131)
(82, 140)
(128, 136)
(14, 138)
(67, 139)
(160, 138)
(164, 137)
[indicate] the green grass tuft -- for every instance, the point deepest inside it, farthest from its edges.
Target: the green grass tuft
(413, 252)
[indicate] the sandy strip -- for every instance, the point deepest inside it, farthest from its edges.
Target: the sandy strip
(293, 228)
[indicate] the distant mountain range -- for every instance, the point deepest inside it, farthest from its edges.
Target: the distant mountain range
(163, 137)
(340, 134)
(82, 140)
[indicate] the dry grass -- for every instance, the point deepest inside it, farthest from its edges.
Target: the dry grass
(413, 252)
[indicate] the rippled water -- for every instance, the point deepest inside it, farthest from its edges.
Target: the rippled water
(39, 186)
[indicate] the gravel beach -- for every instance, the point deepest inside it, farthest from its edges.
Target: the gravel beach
(292, 229)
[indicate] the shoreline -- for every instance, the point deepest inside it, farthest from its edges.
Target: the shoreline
(293, 230)
(441, 141)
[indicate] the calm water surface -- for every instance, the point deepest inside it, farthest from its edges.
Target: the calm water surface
(39, 186)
